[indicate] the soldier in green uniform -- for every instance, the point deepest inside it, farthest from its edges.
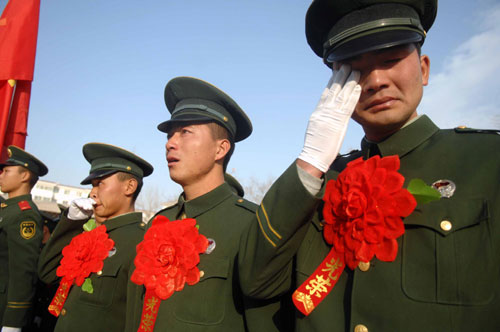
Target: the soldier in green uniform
(116, 177)
(445, 274)
(202, 131)
(20, 238)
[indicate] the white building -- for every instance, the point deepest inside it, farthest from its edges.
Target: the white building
(47, 191)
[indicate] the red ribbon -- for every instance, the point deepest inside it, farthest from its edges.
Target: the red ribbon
(149, 311)
(60, 297)
(319, 284)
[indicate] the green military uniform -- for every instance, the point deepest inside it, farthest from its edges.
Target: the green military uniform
(215, 303)
(105, 308)
(446, 272)
(20, 241)
(443, 279)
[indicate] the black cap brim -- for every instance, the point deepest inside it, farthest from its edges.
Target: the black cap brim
(98, 174)
(372, 42)
(166, 125)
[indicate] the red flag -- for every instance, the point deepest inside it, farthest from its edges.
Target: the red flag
(18, 35)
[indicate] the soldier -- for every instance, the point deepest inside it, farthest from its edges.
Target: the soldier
(202, 131)
(442, 274)
(20, 238)
(116, 177)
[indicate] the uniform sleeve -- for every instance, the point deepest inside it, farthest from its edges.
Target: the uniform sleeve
(268, 248)
(24, 238)
(51, 254)
(134, 303)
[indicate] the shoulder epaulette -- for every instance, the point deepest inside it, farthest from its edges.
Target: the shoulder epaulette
(24, 205)
(252, 207)
(466, 130)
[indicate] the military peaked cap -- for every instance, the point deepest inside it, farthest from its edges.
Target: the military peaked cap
(190, 99)
(19, 157)
(107, 159)
(339, 29)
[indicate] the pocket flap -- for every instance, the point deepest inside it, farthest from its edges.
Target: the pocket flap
(460, 213)
(214, 267)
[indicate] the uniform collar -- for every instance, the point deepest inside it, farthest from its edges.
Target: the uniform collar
(200, 205)
(403, 141)
(16, 200)
(123, 220)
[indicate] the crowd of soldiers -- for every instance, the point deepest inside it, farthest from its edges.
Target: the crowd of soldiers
(215, 261)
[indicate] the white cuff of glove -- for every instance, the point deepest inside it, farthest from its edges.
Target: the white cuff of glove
(328, 123)
(81, 208)
(11, 329)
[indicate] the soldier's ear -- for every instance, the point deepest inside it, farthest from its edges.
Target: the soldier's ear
(223, 148)
(130, 186)
(425, 67)
(25, 175)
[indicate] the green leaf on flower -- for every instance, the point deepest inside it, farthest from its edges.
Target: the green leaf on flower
(197, 226)
(422, 192)
(87, 286)
(89, 225)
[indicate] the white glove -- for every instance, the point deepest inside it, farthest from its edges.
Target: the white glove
(81, 208)
(328, 123)
(11, 329)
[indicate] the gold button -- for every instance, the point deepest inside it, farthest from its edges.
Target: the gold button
(25, 164)
(225, 119)
(446, 225)
(360, 328)
(99, 273)
(364, 266)
(240, 200)
(129, 168)
(202, 273)
(143, 224)
(63, 312)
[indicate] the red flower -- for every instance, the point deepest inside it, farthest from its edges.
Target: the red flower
(167, 257)
(85, 254)
(363, 210)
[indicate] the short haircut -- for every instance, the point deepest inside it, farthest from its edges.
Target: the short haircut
(219, 132)
(33, 177)
(122, 176)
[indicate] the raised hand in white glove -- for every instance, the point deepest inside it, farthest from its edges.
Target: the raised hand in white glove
(80, 208)
(11, 329)
(328, 123)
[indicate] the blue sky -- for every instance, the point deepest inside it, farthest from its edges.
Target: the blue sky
(101, 68)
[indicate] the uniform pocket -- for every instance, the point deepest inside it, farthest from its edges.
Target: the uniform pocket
(104, 285)
(447, 254)
(204, 303)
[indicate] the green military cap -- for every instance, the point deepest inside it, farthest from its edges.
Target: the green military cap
(19, 157)
(339, 29)
(190, 99)
(107, 159)
(235, 185)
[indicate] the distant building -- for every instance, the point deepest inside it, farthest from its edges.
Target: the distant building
(47, 191)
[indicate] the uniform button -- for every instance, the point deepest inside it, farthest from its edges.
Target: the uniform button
(63, 312)
(143, 224)
(360, 328)
(99, 273)
(364, 266)
(202, 273)
(445, 225)
(240, 200)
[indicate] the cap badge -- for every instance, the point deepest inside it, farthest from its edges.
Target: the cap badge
(445, 187)
(9, 153)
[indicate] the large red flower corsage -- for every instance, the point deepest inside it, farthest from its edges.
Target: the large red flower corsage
(363, 218)
(363, 210)
(166, 260)
(84, 255)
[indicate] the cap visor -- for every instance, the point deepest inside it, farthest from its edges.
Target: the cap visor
(372, 42)
(165, 126)
(98, 174)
